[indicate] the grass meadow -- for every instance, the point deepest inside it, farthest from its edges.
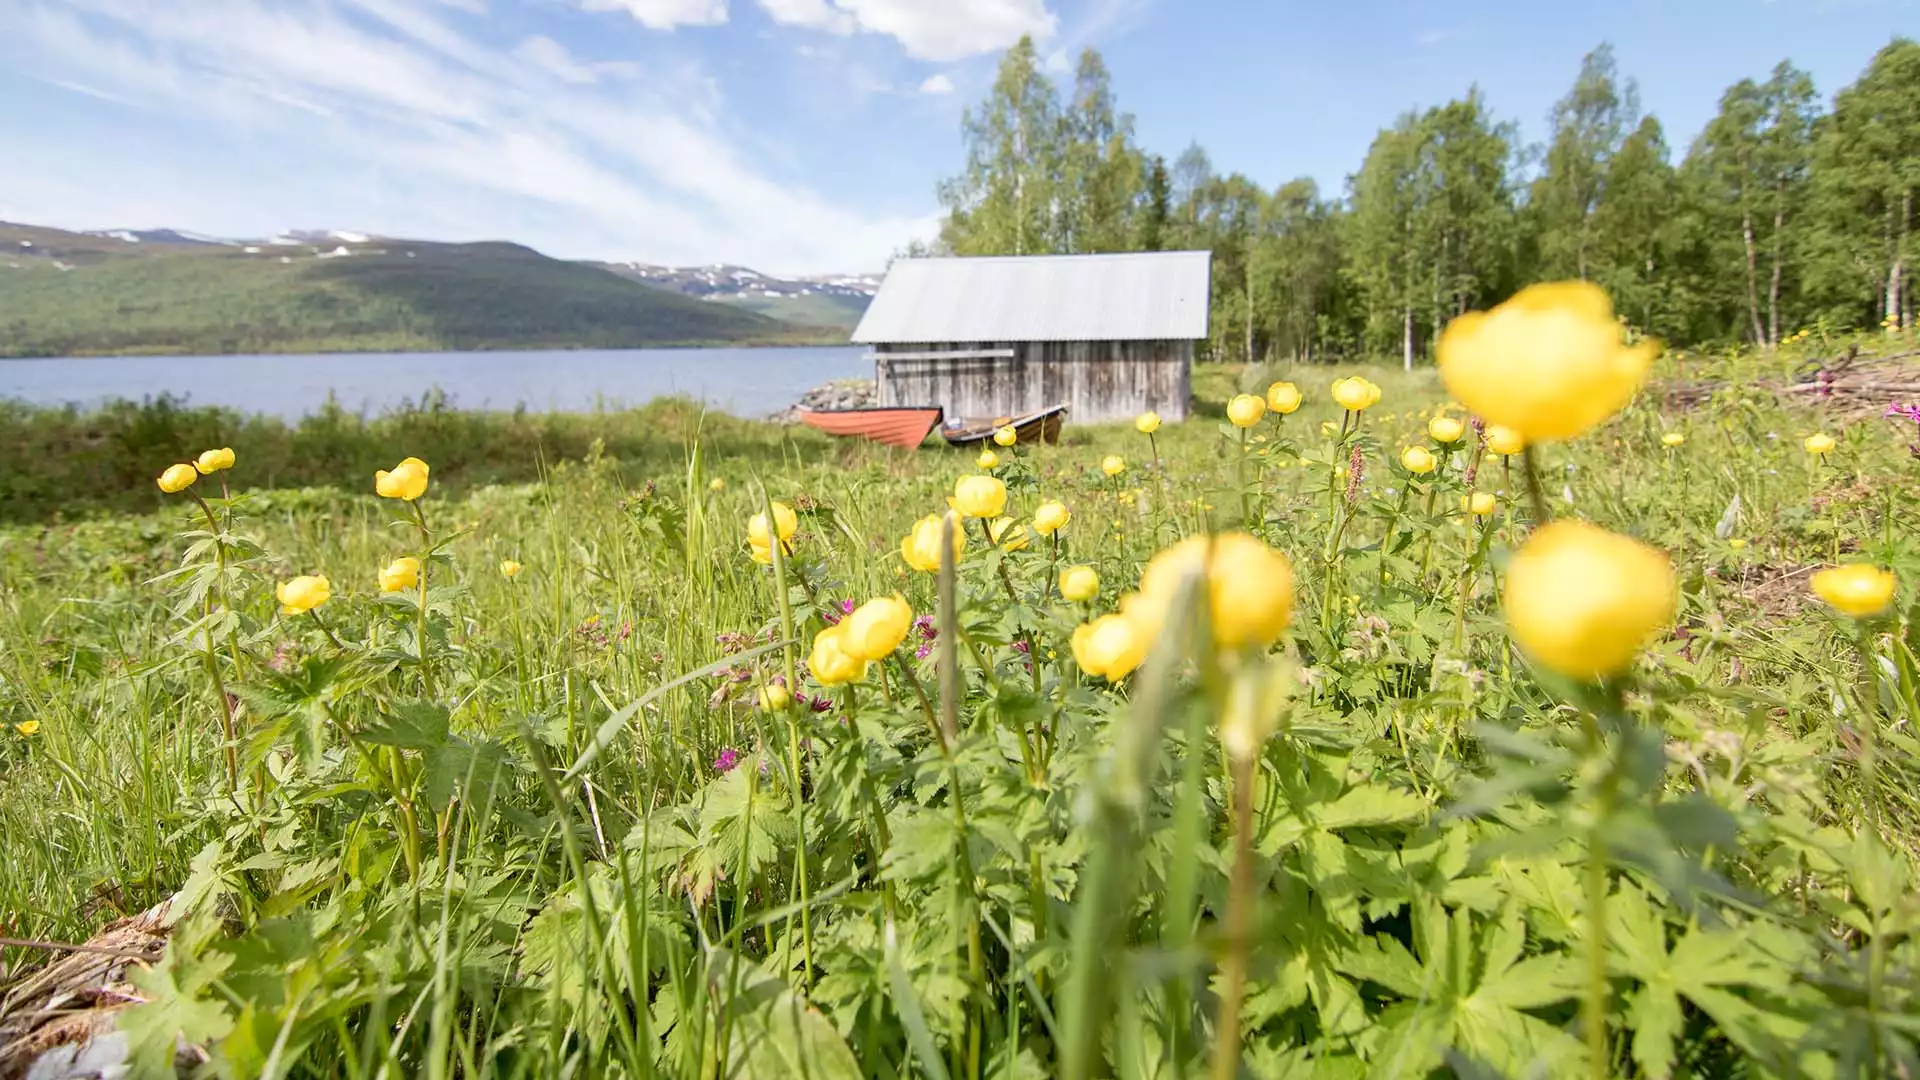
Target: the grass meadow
(604, 817)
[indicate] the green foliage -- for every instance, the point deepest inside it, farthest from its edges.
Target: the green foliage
(1779, 219)
(537, 826)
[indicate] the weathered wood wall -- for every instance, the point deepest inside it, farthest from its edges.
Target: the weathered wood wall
(1097, 380)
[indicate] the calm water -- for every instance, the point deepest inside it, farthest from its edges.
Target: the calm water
(746, 382)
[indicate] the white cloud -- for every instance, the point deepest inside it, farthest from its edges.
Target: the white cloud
(553, 58)
(812, 14)
(379, 115)
(929, 29)
(666, 14)
(937, 84)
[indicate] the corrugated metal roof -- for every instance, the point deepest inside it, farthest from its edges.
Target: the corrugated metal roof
(1142, 296)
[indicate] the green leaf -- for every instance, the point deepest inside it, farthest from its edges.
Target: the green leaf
(773, 1032)
(414, 725)
(1374, 804)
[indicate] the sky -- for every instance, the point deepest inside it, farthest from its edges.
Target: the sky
(794, 136)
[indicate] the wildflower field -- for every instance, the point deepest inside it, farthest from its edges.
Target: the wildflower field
(1364, 725)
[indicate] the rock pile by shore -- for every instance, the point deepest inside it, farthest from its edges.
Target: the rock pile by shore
(840, 394)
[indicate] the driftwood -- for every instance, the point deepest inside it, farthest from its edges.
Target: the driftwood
(1852, 384)
(58, 1020)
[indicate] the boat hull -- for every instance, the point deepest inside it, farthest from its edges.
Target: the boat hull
(906, 428)
(1042, 426)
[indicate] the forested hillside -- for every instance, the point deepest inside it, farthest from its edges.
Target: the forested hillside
(1788, 211)
(67, 293)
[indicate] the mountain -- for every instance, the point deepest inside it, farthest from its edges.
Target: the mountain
(162, 291)
(831, 300)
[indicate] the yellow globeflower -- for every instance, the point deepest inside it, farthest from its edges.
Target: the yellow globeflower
(1355, 394)
(1249, 585)
(785, 524)
(876, 628)
(1113, 464)
(979, 496)
(1283, 397)
(212, 461)
(1859, 590)
(1051, 517)
(1582, 601)
(1504, 440)
(1480, 503)
(1005, 435)
(773, 697)
(1079, 583)
(302, 594)
(1010, 535)
(1417, 459)
(921, 547)
(407, 481)
(400, 574)
(717, 484)
(28, 728)
(1147, 423)
(830, 660)
(1672, 439)
(760, 553)
(987, 459)
(509, 568)
(1818, 444)
(1549, 363)
(1245, 410)
(177, 479)
(1445, 429)
(1110, 646)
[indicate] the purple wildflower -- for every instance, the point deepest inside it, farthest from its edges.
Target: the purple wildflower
(729, 757)
(924, 624)
(1020, 646)
(922, 650)
(1911, 412)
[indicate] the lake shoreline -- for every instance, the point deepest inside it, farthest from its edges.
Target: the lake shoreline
(834, 341)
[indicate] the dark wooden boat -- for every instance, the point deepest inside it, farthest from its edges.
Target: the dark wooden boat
(906, 428)
(1040, 426)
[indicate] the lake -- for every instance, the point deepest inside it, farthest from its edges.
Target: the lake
(745, 382)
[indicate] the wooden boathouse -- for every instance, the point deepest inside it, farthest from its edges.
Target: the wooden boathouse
(1109, 336)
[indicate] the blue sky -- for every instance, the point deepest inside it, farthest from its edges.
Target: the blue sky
(793, 135)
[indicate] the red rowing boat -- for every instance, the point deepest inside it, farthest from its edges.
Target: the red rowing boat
(906, 428)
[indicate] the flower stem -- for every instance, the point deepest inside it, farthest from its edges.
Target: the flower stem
(420, 625)
(1535, 495)
(1226, 1049)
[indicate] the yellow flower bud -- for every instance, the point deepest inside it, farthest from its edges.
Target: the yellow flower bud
(1858, 590)
(1113, 464)
(400, 574)
(407, 481)
(1147, 423)
(717, 484)
(1417, 459)
(1245, 410)
(1504, 441)
(1820, 444)
(177, 479)
(773, 697)
(1548, 363)
(921, 547)
(1051, 517)
(876, 628)
(1283, 397)
(1009, 535)
(1079, 583)
(1110, 646)
(302, 594)
(1672, 439)
(1005, 435)
(1445, 429)
(987, 459)
(980, 496)
(831, 662)
(1355, 394)
(1583, 601)
(1480, 503)
(509, 568)
(1249, 586)
(785, 524)
(212, 461)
